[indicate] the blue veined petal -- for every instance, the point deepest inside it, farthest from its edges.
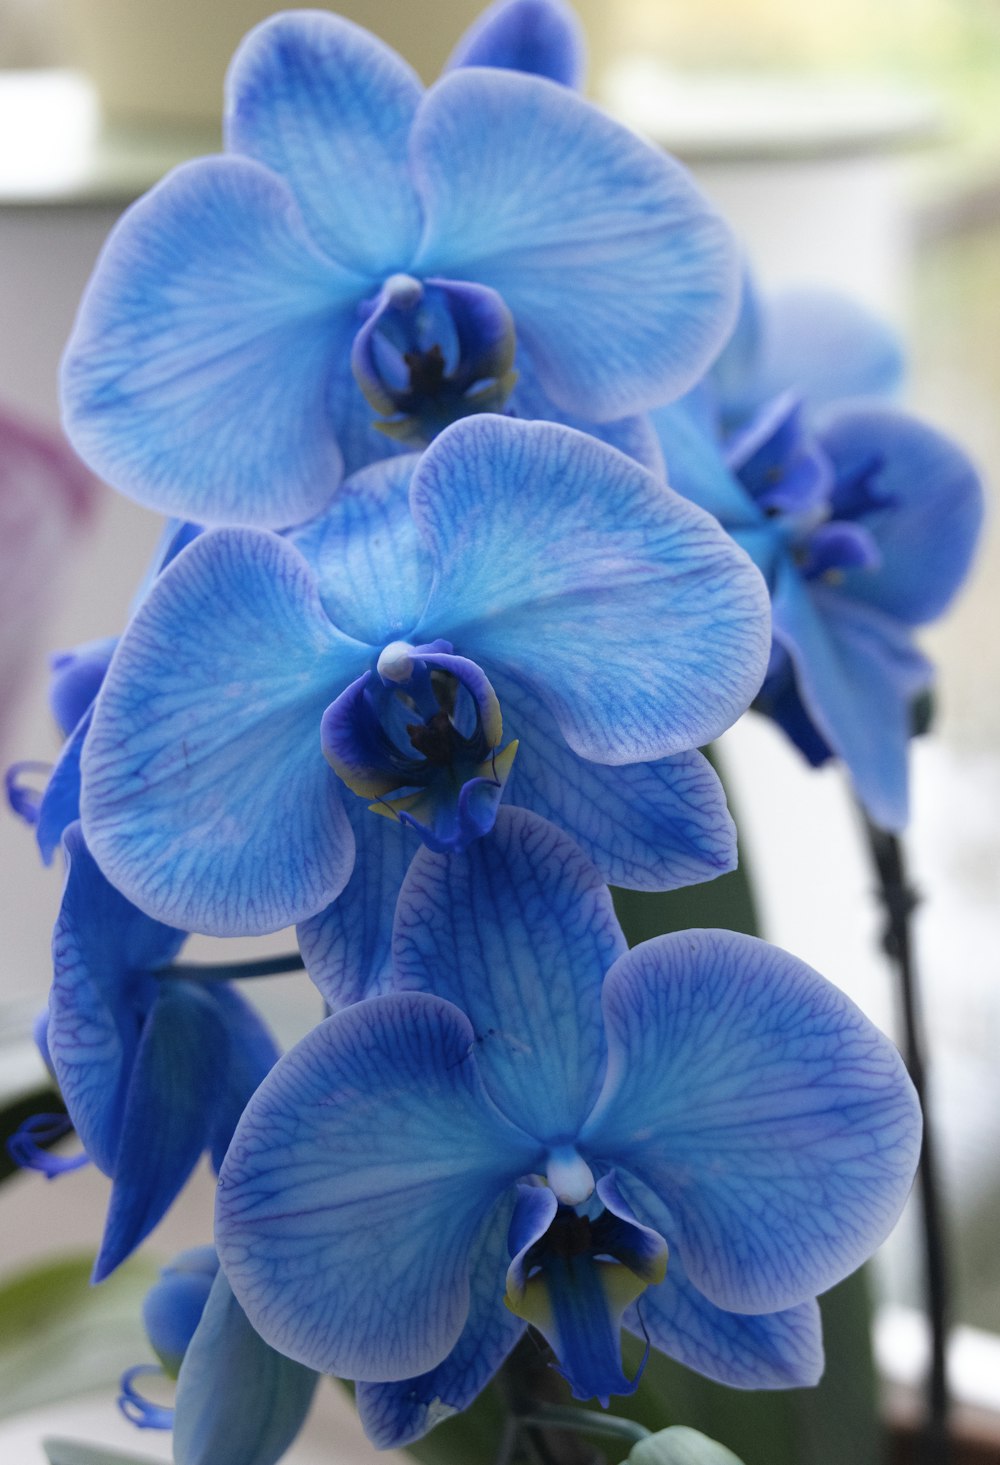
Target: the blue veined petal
(76, 678)
(928, 529)
(532, 191)
(206, 796)
(167, 1117)
(634, 436)
(252, 1054)
(347, 948)
(757, 1102)
(543, 37)
(646, 826)
(355, 1187)
(238, 1401)
(372, 571)
(518, 933)
(823, 345)
(732, 376)
(696, 467)
(857, 672)
(173, 1306)
(102, 951)
(60, 803)
(394, 1415)
(195, 378)
(773, 1350)
(329, 107)
(630, 613)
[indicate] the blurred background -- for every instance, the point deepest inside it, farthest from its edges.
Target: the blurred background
(855, 145)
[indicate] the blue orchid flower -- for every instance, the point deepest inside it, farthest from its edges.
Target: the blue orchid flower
(154, 1067)
(617, 627)
(238, 1401)
(693, 1138)
(864, 522)
(359, 233)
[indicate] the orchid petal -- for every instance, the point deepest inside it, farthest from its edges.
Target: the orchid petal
(774, 1121)
(630, 613)
(347, 948)
(195, 378)
(238, 1401)
(501, 161)
(933, 512)
(696, 467)
(857, 672)
(355, 1186)
(518, 933)
(206, 796)
(252, 1054)
(394, 1415)
(167, 1116)
(646, 826)
(329, 108)
(541, 37)
(60, 804)
(102, 951)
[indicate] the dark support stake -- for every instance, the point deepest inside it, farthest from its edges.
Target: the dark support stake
(899, 901)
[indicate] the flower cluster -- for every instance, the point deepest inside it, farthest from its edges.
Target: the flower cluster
(425, 663)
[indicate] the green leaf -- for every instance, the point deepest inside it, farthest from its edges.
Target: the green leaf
(61, 1336)
(676, 1446)
(72, 1452)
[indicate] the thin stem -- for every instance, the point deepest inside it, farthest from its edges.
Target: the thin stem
(556, 1416)
(235, 971)
(899, 900)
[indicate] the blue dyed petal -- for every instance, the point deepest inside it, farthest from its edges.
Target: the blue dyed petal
(826, 346)
(76, 680)
(60, 803)
(394, 1415)
(933, 509)
(696, 467)
(627, 611)
(206, 795)
(195, 378)
(329, 107)
(646, 826)
(173, 1306)
(347, 948)
(857, 673)
(774, 1121)
(252, 1053)
(543, 37)
(772, 1350)
(518, 933)
(372, 572)
(238, 1401)
(502, 163)
(102, 951)
(355, 1187)
(167, 1119)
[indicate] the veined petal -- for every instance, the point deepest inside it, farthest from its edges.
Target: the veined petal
(696, 468)
(329, 107)
(372, 571)
(542, 37)
(355, 1186)
(772, 1350)
(252, 1053)
(928, 530)
(195, 379)
(774, 1121)
(102, 951)
(646, 826)
(60, 804)
(206, 796)
(238, 1401)
(347, 948)
(857, 672)
(518, 933)
(167, 1117)
(501, 162)
(629, 612)
(394, 1415)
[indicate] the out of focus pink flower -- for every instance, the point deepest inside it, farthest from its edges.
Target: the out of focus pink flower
(46, 501)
